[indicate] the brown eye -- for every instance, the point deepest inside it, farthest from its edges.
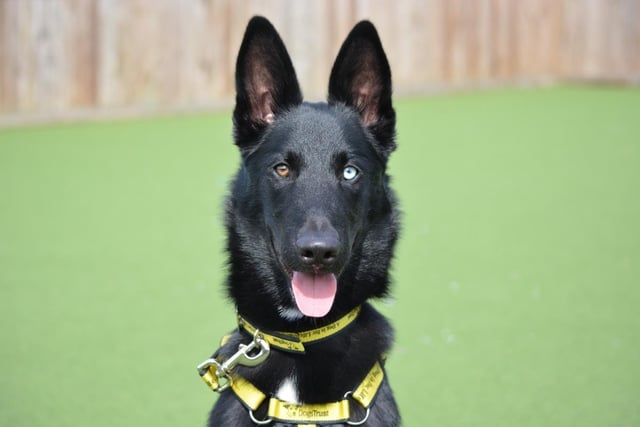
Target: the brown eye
(282, 170)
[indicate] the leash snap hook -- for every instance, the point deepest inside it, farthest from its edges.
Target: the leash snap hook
(244, 354)
(222, 379)
(263, 351)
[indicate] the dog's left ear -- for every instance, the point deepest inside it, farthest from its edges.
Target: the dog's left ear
(361, 79)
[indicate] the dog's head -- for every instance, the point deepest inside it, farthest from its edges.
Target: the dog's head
(311, 219)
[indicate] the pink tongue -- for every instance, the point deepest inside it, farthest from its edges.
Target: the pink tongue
(314, 293)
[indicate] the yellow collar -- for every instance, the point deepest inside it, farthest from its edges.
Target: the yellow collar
(294, 341)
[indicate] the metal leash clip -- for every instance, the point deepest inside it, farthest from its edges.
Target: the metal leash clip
(245, 356)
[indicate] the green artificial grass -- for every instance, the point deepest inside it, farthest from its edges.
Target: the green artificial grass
(516, 279)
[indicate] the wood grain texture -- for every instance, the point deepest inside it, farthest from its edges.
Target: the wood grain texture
(65, 55)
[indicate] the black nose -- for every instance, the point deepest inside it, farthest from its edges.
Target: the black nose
(318, 248)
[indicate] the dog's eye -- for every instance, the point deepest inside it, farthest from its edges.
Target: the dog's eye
(282, 169)
(349, 173)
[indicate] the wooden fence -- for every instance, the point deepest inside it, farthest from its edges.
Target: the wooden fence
(58, 56)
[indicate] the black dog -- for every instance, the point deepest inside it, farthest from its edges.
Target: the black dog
(311, 225)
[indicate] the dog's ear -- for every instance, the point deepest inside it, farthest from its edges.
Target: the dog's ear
(266, 83)
(361, 79)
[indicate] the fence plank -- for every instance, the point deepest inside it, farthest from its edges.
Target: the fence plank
(64, 55)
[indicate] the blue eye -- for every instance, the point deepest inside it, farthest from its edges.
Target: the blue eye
(349, 173)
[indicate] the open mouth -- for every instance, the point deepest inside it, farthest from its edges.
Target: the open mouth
(314, 288)
(314, 293)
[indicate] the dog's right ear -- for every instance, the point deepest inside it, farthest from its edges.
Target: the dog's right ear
(266, 83)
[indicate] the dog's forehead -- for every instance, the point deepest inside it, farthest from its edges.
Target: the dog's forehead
(315, 130)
